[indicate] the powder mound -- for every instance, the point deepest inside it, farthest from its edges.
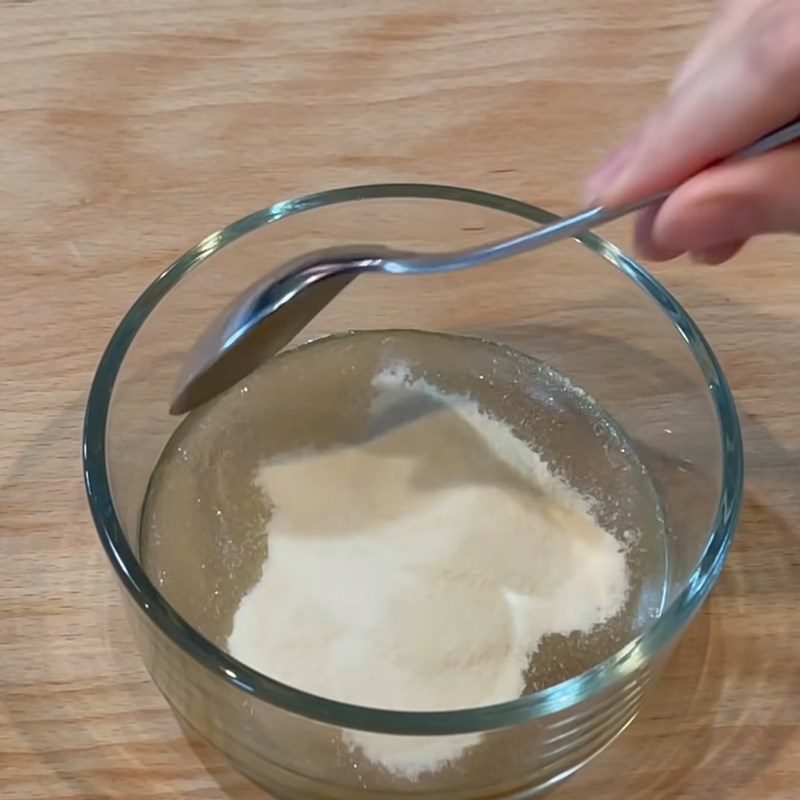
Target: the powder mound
(420, 568)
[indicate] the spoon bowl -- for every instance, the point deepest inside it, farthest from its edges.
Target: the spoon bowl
(265, 317)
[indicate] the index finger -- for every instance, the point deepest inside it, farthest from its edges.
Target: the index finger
(742, 93)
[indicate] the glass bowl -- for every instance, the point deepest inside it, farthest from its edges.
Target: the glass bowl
(581, 306)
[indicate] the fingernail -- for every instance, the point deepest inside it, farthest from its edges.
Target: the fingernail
(618, 183)
(701, 257)
(717, 254)
(631, 160)
(597, 182)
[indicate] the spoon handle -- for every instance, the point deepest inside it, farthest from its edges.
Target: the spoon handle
(567, 226)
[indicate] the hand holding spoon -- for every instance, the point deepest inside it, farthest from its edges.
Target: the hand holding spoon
(266, 316)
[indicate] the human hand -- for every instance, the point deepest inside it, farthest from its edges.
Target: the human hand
(741, 82)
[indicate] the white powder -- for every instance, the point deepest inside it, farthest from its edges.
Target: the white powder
(420, 569)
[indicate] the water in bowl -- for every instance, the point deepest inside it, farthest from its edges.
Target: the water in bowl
(203, 529)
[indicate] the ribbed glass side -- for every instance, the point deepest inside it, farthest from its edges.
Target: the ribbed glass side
(294, 757)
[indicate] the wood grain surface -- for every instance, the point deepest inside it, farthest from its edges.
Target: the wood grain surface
(130, 130)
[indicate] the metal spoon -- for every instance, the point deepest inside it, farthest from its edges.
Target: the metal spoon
(271, 312)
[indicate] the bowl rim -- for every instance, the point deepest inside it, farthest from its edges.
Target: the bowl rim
(559, 698)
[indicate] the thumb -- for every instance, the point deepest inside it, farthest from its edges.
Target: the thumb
(731, 203)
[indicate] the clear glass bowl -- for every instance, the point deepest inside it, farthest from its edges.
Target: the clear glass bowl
(583, 307)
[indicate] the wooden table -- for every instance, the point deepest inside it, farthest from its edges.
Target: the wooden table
(129, 131)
